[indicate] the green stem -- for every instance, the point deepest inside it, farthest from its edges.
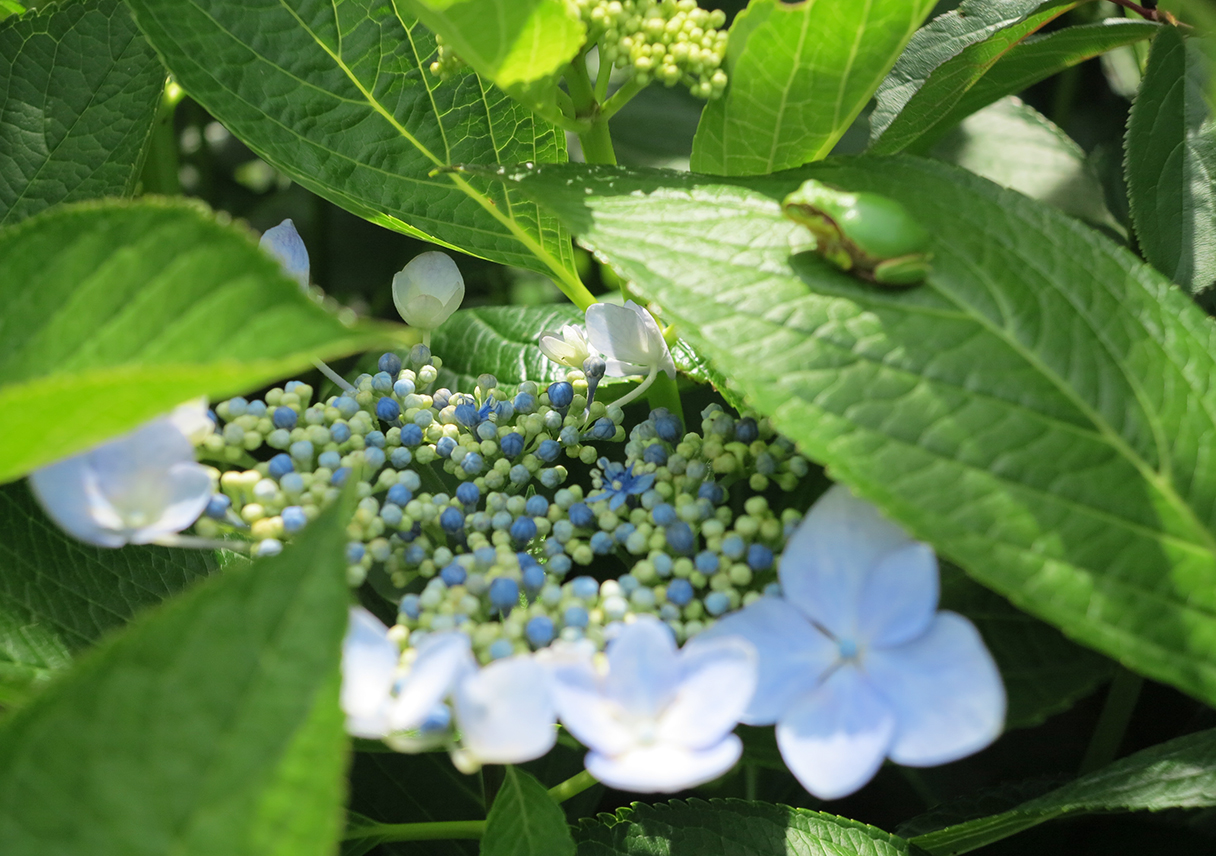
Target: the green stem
(385, 832)
(159, 173)
(597, 143)
(603, 75)
(1112, 722)
(640, 388)
(622, 97)
(573, 786)
(596, 140)
(665, 393)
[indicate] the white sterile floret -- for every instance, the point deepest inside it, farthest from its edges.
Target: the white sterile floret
(856, 663)
(654, 717)
(630, 340)
(506, 713)
(428, 290)
(567, 346)
(285, 244)
(141, 488)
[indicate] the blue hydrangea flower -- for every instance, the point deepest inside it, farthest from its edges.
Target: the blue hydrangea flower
(620, 483)
(658, 719)
(856, 663)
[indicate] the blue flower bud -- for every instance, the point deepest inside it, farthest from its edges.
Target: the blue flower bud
(759, 557)
(237, 406)
(487, 431)
(603, 429)
(524, 403)
(575, 616)
(536, 506)
(280, 465)
(468, 494)
(452, 521)
(410, 607)
(628, 583)
(680, 538)
(533, 578)
(706, 562)
(669, 428)
(662, 564)
(500, 648)
(391, 514)
(504, 594)
(679, 591)
(580, 515)
(341, 474)
(549, 451)
(400, 458)
(415, 554)
(339, 432)
(403, 387)
(553, 545)
(523, 530)
(584, 588)
(621, 534)
(301, 450)
(512, 444)
(733, 547)
(539, 631)
(399, 495)
(655, 454)
(569, 436)
(472, 464)
(712, 492)
(466, 414)
(354, 552)
(375, 438)
(382, 382)
(420, 355)
(411, 435)
(347, 406)
(284, 417)
(560, 394)
(502, 519)
(331, 460)
(551, 478)
(438, 720)
(484, 557)
(717, 602)
(746, 430)
(601, 543)
(374, 457)
(453, 574)
(390, 363)
(217, 506)
(445, 446)
(388, 410)
(559, 566)
(293, 518)
(663, 515)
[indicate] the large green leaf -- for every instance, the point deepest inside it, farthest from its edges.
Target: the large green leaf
(209, 726)
(116, 312)
(1037, 58)
(731, 828)
(799, 75)
(1171, 163)
(1041, 410)
(945, 59)
(1014, 145)
(340, 97)
(58, 595)
(1177, 774)
(79, 92)
(524, 820)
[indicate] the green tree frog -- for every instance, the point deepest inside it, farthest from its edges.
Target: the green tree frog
(869, 235)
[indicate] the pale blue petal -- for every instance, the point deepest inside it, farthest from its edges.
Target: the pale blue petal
(899, 599)
(505, 712)
(834, 738)
(186, 492)
(664, 768)
(578, 694)
(285, 244)
(60, 490)
(369, 664)
(946, 692)
(792, 654)
(642, 668)
(442, 659)
(827, 561)
(717, 680)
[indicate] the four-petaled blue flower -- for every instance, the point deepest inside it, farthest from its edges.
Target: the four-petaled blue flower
(620, 483)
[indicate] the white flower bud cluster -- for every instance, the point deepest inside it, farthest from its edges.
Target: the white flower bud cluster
(671, 41)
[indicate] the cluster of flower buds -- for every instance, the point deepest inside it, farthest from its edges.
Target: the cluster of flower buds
(446, 63)
(671, 41)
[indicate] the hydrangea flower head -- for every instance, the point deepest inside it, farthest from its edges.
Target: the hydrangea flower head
(285, 244)
(656, 718)
(630, 340)
(428, 290)
(567, 346)
(856, 663)
(140, 488)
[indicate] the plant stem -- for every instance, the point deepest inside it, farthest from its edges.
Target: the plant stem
(665, 393)
(622, 97)
(573, 786)
(1112, 722)
(603, 75)
(385, 832)
(595, 140)
(159, 173)
(640, 388)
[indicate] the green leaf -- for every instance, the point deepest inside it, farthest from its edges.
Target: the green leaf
(1017, 147)
(1177, 774)
(81, 91)
(209, 726)
(1170, 161)
(731, 828)
(341, 98)
(1040, 410)
(1044, 673)
(521, 46)
(116, 312)
(1037, 58)
(945, 59)
(524, 820)
(59, 596)
(799, 75)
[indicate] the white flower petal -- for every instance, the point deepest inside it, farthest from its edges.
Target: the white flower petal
(192, 420)
(369, 666)
(442, 659)
(567, 346)
(642, 668)
(792, 655)
(578, 694)
(834, 738)
(285, 244)
(187, 490)
(945, 690)
(899, 597)
(629, 338)
(505, 712)
(60, 490)
(717, 679)
(665, 768)
(827, 560)
(428, 290)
